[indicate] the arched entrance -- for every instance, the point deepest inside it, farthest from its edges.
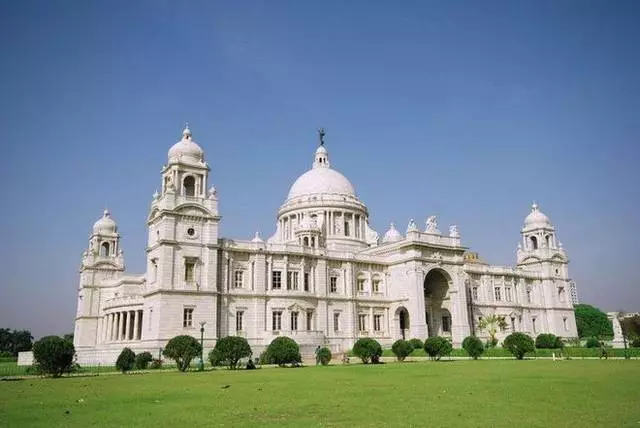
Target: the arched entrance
(402, 319)
(436, 286)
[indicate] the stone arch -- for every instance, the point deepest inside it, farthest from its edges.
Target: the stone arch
(436, 285)
(403, 323)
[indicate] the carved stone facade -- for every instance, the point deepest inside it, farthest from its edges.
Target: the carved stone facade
(323, 278)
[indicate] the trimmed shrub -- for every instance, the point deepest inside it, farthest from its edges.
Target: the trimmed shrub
(437, 347)
(491, 343)
(182, 349)
(416, 344)
(282, 351)
(54, 355)
(229, 351)
(156, 364)
(559, 343)
(592, 342)
(546, 341)
(368, 350)
(126, 360)
(635, 343)
(143, 359)
(473, 346)
(519, 344)
(324, 355)
(401, 349)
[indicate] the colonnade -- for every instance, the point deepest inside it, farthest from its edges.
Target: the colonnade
(122, 326)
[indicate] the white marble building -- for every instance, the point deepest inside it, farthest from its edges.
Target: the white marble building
(325, 277)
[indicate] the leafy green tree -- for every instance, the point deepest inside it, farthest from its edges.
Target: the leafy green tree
(592, 342)
(367, 349)
(182, 349)
(54, 355)
(401, 349)
(437, 347)
(143, 359)
(69, 337)
(416, 344)
(282, 351)
(492, 324)
(519, 344)
(592, 322)
(630, 326)
(229, 351)
(324, 355)
(473, 346)
(546, 341)
(126, 360)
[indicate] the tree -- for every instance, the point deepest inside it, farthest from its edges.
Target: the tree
(367, 349)
(126, 360)
(401, 349)
(547, 341)
(630, 326)
(54, 355)
(416, 344)
(229, 350)
(282, 351)
(592, 322)
(69, 337)
(15, 341)
(143, 359)
(324, 355)
(437, 347)
(182, 349)
(473, 346)
(492, 324)
(519, 344)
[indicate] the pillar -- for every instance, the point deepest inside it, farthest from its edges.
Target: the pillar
(136, 323)
(120, 325)
(127, 324)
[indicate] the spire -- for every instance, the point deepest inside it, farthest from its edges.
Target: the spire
(534, 206)
(321, 159)
(321, 134)
(186, 132)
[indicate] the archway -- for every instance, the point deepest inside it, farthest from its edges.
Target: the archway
(402, 316)
(189, 184)
(436, 286)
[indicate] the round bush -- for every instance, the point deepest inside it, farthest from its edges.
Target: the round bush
(437, 347)
(519, 344)
(229, 350)
(559, 343)
(473, 346)
(182, 349)
(143, 359)
(416, 344)
(324, 356)
(635, 343)
(367, 349)
(592, 342)
(156, 364)
(126, 360)
(54, 355)
(401, 349)
(546, 341)
(282, 351)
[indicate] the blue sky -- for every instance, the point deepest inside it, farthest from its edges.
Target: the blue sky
(467, 110)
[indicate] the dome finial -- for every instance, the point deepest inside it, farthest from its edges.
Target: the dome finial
(186, 132)
(321, 135)
(534, 206)
(106, 212)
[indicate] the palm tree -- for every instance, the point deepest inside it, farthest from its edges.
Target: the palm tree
(491, 325)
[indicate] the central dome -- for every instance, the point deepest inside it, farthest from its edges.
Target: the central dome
(321, 181)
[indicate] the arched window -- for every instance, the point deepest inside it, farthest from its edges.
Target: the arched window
(534, 243)
(346, 228)
(305, 241)
(104, 249)
(189, 185)
(548, 240)
(446, 321)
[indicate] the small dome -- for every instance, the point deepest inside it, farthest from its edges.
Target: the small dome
(392, 235)
(536, 218)
(105, 225)
(186, 148)
(321, 150)
(257, 239)
(321, 181)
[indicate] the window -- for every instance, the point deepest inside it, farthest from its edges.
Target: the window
(513, 324)
(333, 284)
(294, 321)
(446, 323)
(528, 296)
(189, 185)
(292, 280)
(534, 243)
(306, 281)
(376, 285)
(309, 320)
(154, 270)
(104, 249)
(497, 294)
(276, 280)
(360, 285)
(239, 316)
(474, 293)
(336, 321)
(507, 294)
(187, 318)
(377, 322)
(276, 321)
(533, 324)
(564, 322)
(561, 294)
(189, 270)
(237, 281)
(346, 228)
(362, 322)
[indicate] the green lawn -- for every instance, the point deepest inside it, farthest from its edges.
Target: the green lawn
(531, 393)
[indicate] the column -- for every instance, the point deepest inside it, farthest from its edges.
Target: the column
(127, 324)
(120, 325)
(141, 316)
(112, 326)
(136, 322)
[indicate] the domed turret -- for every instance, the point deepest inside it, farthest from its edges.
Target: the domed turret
(105, 225)
(536, 219)
(392, 235)
(186, 149)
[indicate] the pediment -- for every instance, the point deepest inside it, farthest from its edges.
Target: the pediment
(192, 211)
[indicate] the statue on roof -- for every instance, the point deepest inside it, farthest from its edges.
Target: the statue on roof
(321, 134)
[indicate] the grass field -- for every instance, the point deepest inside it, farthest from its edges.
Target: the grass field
(455, 394)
